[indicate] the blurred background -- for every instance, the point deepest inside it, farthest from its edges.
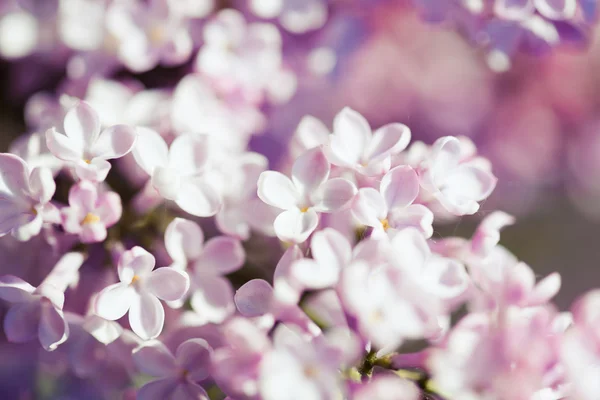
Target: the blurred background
(535, 115)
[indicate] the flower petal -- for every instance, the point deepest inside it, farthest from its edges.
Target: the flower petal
(136, 261)
(277, 190)
(351, 135)
(369, 207)
(400, 187)
(21, 322)
(222, 255)
(83, 196)
(334, 195)
(63, 147)
(114, 142)
(53, 328)
(150, 150)
(184, 240)
(159, 389)
(96, 170)
(416, 216)
(254, 298)
(82, 124)
(330, 247)
(188, 154)
(295, 226)
(109, 208)
(213, 300)
(15, 289)
(153, 358)
(312, 275)
(146, 316)
(310, 170)
(410, 250)
(42, 184)
(389, 139)
(169, 284)
(188, 390)
(114, 301)
(102, 330)
(194, 355)
(94, 232)
(198, 198)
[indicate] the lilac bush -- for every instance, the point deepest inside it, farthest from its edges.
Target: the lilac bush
(164, 248)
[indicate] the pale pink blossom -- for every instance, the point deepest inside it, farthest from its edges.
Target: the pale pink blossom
(85, 146)
(458, 184)
(177, 172)
(392, 206)
(33, 150)
(353, 145)
(303, 197)
(178, 373)
(90, 212)
(25, 198)
(211, 293)
(387, 387)
(139, 292)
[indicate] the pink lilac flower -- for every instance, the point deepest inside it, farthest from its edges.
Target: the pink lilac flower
(178, 373)
(387, 387)
(176, 173)
(24, 198)
(353, 145)
(392, 206)
(308, 193)
(139, 292)
(85, 147)
(459, 184)
(90, 213)
(211, 294)
(148, 33)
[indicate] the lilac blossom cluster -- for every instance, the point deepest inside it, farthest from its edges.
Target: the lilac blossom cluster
(162, 254)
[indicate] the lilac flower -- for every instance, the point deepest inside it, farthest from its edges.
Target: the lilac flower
(304, 196)
(353, 145)
(178, 373)
(458, 184)
(177, 173)
(387, 387)
(295, 16)
(37, 312)
(33, 150)
(392, 206)
(211, 293)
(139, 292)
(149, 34)
(90, 213)
(85, 147)
(24, 198)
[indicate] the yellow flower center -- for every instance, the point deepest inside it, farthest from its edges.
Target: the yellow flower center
(134, 279)
(157, 34)
(90, 219)
(87, 161)
(385, 224)
(304, 209)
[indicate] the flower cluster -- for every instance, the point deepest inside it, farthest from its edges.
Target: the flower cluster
(157, 246)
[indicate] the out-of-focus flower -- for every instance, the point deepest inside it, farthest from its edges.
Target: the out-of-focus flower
(87, 148)
(90, 212)
(139, 292)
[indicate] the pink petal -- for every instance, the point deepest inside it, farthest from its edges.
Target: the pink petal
(194, 356)
(351, 135)
(295, 226)
(114, 142)
(221, 255)
(191, 391)
(150, 150)
(334, 195)
(254, 298)
(52, 293)
(312, 275)
(387, 140)
(21, 322)
(444, 157)
(96, 171)
(14, 176)
(83, 196)
(184, 240)
(102, 330)
(472, 182)
(369, 207)
(188, 154)
(114, 301)
(63, 147)
(232, 221)
(167, 182)
(71, 218)
(198, 198)
(388, 387)
(556, 9)
(146, 316)
(109, 208)
(545, 289)
(14, 289)
(94, 232)
(160, 389)
(82, 124)
(310, 170)
(416, 216)
(330, 247)
(400, 187)
(169, 284)
(213, 300)
(66, 271)
(311, 132)
(53, 328)
(153, 358)
(136, 261)
(277, 190)
(42, 184)
(410, 249)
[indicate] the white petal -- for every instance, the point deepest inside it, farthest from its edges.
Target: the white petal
(114, 301)
(369, 207)
(295, 226)
(53, 329)
(198, 198)
(184, 240)
(277, 190)
(312, 275)
(410, 249)
(150, 150)
(63, 147)
(389, 139)
(333, 195)
(400, 187)
(42, 184)
(351, 135)
(82, 124)
(213, 300)
(168, 284)
(146, 316)
(310, 170)
(136, 261)
(188, 154)
(114, 142)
